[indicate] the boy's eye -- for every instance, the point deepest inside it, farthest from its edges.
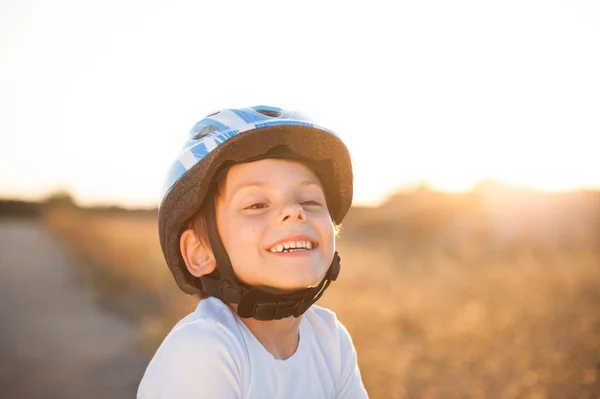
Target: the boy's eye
(311, 202)
(258, 205)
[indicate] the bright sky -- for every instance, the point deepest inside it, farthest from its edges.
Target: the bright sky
(98, 96)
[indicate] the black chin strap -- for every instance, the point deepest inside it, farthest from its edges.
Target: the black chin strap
(259, 303)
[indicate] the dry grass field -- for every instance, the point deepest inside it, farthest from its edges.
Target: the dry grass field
(445, 296)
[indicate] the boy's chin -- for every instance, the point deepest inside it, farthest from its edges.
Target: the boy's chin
(299, 282)
(289, 279)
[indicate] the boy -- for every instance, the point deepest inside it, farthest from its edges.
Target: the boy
(248, 222)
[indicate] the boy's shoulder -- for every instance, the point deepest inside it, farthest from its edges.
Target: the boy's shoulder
(211, 317)
(211, 326)
(209, 332)
(326, 325)
(202, 343)
(321, 318)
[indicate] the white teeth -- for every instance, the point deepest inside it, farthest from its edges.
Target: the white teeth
(292, 246)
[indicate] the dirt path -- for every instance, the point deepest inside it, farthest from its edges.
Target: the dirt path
(54, 341)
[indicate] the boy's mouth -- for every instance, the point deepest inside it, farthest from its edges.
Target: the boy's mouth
(293, 244)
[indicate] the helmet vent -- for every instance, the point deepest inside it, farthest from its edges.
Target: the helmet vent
(270, 113)
(205, 131)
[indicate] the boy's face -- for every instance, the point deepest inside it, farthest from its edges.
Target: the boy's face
(270, 202)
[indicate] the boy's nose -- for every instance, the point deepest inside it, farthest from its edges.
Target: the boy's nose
(294, 212)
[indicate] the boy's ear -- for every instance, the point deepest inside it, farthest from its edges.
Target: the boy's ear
(198, 257)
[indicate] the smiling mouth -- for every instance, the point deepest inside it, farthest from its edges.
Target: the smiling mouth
(293, 246)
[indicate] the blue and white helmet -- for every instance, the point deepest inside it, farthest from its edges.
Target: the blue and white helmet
(236, 136)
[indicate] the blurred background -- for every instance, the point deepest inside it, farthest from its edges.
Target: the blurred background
(471, 256)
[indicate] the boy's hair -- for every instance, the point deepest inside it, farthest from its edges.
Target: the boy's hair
(198, 221)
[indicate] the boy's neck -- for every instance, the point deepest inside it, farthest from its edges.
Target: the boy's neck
(279, 337)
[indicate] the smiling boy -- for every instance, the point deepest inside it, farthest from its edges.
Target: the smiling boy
(248, 221)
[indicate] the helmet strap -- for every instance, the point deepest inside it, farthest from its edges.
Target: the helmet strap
(260, 303)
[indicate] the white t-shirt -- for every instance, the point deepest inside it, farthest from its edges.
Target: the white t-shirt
(212, 354)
